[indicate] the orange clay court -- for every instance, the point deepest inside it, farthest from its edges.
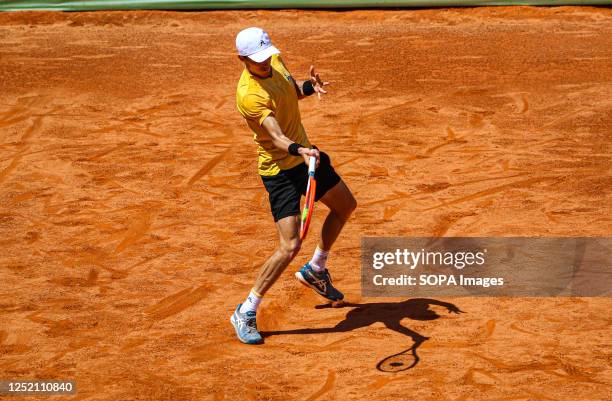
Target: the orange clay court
(132, 219)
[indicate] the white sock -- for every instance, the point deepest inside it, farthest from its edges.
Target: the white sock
(251, 303)
(319, 259)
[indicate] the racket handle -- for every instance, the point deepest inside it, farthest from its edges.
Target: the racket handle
(311, 165)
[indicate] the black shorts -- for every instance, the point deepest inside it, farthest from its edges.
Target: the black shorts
(287, 187)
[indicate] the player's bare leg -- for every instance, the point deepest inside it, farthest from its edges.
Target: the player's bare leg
(244, 317)
(341, 204)
(314, 274)
(288, 232)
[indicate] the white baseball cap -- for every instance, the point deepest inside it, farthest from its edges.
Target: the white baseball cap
(255, 44)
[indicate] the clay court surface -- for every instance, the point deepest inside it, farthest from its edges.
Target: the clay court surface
(132, 219)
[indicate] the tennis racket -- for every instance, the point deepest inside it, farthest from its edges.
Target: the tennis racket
(404, 360)
(311, 190)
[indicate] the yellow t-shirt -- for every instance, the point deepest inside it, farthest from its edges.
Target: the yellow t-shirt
(257, 98)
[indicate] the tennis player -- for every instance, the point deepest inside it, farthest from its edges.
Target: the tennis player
(267, 97)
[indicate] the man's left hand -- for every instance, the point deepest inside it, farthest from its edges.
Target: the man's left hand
(317, 83)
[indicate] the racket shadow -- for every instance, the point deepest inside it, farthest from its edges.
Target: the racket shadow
(390, 314)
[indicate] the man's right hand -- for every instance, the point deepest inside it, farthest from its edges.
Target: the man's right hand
(307, 153)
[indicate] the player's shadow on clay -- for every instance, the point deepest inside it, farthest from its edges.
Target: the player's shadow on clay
(391, 315)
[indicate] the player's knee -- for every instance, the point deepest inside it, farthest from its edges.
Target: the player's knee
(291, 248)
(352, 204)
(348, 208)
